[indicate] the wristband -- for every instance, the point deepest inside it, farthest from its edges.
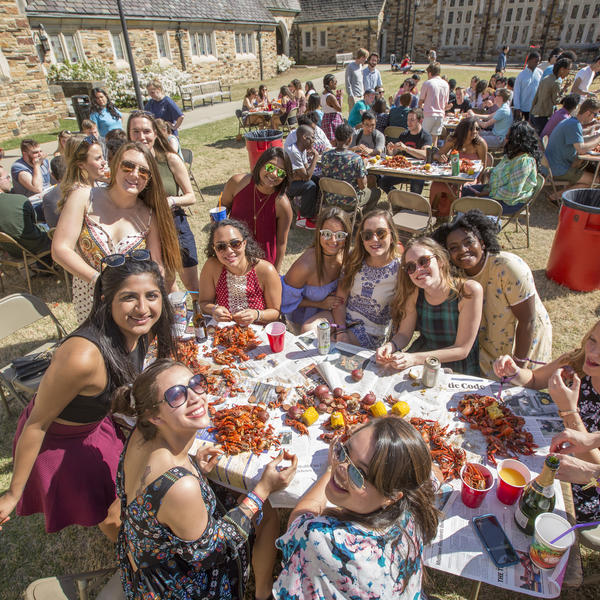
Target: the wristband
(564, 413)
(257, 314)
(259, 505)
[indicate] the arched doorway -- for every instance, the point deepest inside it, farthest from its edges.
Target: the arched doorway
(282, 39)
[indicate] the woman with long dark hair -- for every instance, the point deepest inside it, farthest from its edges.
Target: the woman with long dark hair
(177, 540)
(299, 94)
(309, 286)
(288, 103)
(259, 199)
(104, 113)
(237, 284)
(514, 320)
(445, 310)
(370, 543)
(66, 447)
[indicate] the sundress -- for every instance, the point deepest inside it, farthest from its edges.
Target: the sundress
(369, 303)
(437, 326)
(93, 245)
(587, 504)
(325, 558)
(291, 298)
(215, 566)
(239, 292)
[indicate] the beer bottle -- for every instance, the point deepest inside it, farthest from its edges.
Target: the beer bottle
(199, 324)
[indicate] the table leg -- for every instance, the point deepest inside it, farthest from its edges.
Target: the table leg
(475, 590)
(595, 174)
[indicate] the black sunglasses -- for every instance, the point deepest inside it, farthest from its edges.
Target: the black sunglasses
(422, 262)
(177, 395)
(234, 244)
(118, 260)
(356, 475)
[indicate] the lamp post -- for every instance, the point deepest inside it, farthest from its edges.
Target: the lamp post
(134, 77)
(412, 33)
(179, 37)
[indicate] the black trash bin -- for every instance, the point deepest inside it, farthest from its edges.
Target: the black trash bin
(82, 108)
(259, 141)
(573, 259)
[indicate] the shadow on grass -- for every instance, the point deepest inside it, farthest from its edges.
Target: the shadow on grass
(213, 190)
(229, 142)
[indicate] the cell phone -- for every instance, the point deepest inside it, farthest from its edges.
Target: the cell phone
(495, 541)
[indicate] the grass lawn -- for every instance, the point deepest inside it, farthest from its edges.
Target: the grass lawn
(28, 553)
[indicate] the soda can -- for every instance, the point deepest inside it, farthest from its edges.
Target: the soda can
(431, 371)
(323, 337)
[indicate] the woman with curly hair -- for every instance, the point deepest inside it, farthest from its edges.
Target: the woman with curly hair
(446, 311)
(514, 319)
(514, 178)
(369, 542)
(236, 284)
(578, 405)
(104, 113)
(368, 280)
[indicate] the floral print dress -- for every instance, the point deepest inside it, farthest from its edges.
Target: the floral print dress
(325, 558)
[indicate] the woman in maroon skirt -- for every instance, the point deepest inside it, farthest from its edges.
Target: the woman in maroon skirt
(66, 447)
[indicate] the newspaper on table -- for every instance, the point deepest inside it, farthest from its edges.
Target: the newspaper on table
(456, 548)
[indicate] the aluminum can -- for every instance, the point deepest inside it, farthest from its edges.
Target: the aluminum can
(431, 371)
(323, 337)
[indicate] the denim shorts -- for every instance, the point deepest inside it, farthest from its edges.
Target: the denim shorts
(187, 242)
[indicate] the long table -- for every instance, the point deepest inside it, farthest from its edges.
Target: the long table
(438, 172)
(456, 548)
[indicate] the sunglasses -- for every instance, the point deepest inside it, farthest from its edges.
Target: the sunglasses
(233, 244)
(368, 234)
(129, 167)
(338, 236)
(356, 475)
(271, 168)
(88, 139)
(177, 395)
(118, 260)
(422, 263)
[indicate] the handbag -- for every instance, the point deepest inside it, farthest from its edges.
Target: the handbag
(32, 365)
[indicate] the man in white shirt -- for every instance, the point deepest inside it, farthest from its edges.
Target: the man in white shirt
(434, 96)
(584, 78)
(354, 78)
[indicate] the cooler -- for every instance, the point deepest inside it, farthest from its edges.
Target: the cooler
(258, 141)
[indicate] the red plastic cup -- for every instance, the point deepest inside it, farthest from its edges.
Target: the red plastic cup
(509, 493)
(470, 496)
(276, 334)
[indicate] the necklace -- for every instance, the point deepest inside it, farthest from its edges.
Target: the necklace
(255, 212)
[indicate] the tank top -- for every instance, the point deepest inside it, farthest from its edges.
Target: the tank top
(168, 181)
(238, 292)
(326, 108)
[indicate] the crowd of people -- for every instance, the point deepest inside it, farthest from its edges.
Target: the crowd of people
(122, 232)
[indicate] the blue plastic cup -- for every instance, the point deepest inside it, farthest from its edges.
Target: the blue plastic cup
(218, 214)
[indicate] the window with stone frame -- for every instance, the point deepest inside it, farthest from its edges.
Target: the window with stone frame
(65, 48)
(518, 20)
(307, 39)
(118, 46)
(202, 44)
(162, 41)
(582, 22)
(322, 38)
(244, 43)
(458, 22)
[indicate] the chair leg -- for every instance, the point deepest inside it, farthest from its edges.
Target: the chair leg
(527, 224)
(474, 594)
(27, 275)
(4, 399)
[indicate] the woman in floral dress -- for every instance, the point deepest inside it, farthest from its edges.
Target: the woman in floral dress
(370, 544)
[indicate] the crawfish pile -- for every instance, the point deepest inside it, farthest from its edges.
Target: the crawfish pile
(236, 340)
(396, 162)
(466, 164)
(243, 429)
(187, 353)
(502, 429)
(449, 458)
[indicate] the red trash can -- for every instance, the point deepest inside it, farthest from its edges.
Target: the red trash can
(258, 141)
(574, 258)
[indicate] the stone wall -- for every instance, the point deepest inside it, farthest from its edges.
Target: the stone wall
(27, 105)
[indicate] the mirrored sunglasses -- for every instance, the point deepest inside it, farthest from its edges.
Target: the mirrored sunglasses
(177, 395)
(233, 244)
(118, 260)
(271, 168)
(355, 474)
(422, 263)
(128, 166)
(338, 236)
(368, 234)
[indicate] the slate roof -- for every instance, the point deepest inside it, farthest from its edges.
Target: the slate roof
(287, 5)
(338, 10)
(236, 11)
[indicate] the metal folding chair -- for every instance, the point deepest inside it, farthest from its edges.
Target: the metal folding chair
(487, 206)
(412, 213)
(188, 158)
(344, 190)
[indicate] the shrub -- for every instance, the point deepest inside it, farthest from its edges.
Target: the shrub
(284, 63)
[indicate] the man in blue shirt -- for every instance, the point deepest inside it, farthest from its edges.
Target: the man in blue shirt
(526, 86)
(162, 107)
(355, 116)
(501, 64)
(31, 173)
(371, 75)
(566, 142)
(500, 122)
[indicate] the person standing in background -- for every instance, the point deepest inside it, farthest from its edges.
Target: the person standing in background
(435, 93)
(501, 63)
(163, 107)
(526, 86)
(432, 56)
(354, 78)
(584, 78)
(371, 75)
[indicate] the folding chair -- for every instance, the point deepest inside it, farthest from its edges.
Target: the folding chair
(393, 132)
(64, 587)
(28, 261)
(554, 185)
(489, 161)
(525, 208)
(18, 311)
(291, 122)
(65, 272)
(344, 190)
(412, 213)
(487, 206)
(188, 158)
(242, 125)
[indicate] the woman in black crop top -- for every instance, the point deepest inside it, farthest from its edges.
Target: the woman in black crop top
(66, 447)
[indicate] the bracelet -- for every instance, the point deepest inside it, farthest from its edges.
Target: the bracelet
(257, 314)
(594, 482)
(259, 505)
(564, 413)
(394, 345)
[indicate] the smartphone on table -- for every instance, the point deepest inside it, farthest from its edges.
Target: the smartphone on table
(495, 541)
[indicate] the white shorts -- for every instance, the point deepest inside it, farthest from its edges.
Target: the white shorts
(433, 125)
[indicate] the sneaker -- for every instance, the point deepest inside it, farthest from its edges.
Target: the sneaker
(310, 224)
(301, 223)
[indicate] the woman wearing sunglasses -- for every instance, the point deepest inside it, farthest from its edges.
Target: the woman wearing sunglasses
(370, 543)
(237, 284)
(127, 215)
(309, 286)
(142, 128)
(445, 310)
(368, 281)
(258, 199)
(514, 319)
(66, 447)
(177, 539)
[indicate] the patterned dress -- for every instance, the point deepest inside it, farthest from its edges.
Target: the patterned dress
(369, 303)
(437, 325)
(346, 166)
(215, 566)
(325, 558)
(238, 292)
(331, 118)
(93, 245)
(587, 504)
